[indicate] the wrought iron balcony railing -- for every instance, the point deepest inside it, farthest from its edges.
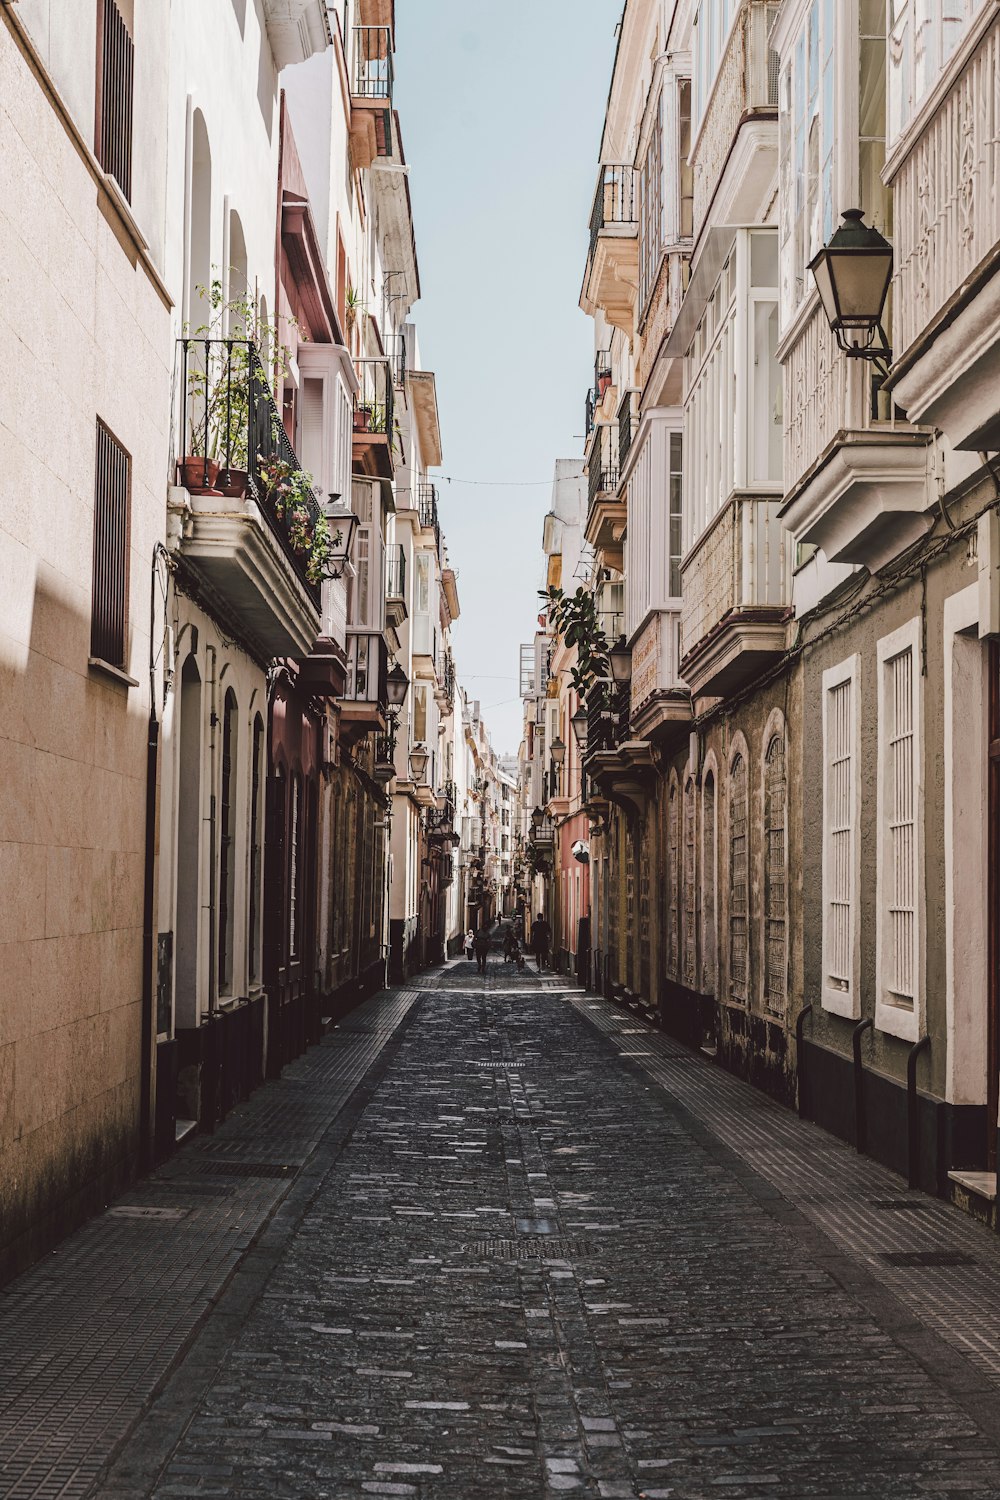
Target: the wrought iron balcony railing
(233, 442)
(373, 404)
(373, 71)
(614, 202)
(427, 505)
(602, 463)
(395, 344)
(627, 422)
(395, 572)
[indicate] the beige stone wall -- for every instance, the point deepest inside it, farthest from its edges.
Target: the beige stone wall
(83, 332)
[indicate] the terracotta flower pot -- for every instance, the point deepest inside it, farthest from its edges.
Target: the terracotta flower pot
(233, 483)
(198, 475)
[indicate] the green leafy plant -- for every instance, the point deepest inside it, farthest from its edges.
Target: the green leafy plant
(292, 494)
(219, 375)
(576, 621)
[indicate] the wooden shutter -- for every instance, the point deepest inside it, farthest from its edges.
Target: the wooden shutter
(112, 507)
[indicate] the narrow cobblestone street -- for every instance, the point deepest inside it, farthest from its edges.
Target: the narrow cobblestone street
(499, 1238)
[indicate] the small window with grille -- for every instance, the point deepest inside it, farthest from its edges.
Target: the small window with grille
(115, 81)
(112, 507)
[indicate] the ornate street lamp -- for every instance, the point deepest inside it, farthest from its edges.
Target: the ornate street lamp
(341, 519)
(558, 751)
(620, 657)
(397, 686)
(852, 274)
(419, 756)
(537, 819)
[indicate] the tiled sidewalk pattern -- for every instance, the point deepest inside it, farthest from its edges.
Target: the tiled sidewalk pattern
(680, 1341)
(87, 1334)
(864, 1208)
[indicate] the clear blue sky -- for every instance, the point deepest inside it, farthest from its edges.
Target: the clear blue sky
(501, 107)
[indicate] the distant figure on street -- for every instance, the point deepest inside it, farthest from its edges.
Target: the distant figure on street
(541, 937)
(482, 941)
(469, 943)
(510, 947)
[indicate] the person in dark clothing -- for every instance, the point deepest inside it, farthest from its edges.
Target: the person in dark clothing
(510, 948)
(482, 943)
(541, 937)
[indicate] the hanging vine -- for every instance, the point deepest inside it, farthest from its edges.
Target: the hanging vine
(575, 619)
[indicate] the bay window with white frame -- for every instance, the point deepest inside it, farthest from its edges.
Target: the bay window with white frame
(712, 23)
(665, 181)
(832, 129)
(733, 429)
(923, 36)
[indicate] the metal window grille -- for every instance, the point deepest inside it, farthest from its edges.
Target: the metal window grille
(739, 931)
(840, 834)
(676, 517)
(673, 854)
(775, 876)
(690, 888)
(901, 829)
(112, 508)
(115, 94)
(708, 907)
(255, 850)
(226, 862)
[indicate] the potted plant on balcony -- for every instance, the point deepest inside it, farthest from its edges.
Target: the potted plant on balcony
(353, 307)
(232, 344)
(293, 498)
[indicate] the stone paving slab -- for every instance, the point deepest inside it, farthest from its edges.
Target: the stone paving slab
(532, 1270)
(87, 1335)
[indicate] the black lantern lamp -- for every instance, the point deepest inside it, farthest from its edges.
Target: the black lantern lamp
(341, 521)
(537, 819)
(419, 756)
(558, 751)
(620, 657)
(852, 274)
(397, 686)
(581, 722)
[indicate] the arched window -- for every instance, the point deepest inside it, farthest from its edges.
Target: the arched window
(237, 273)
(775, 876)
(709, 904)
(673, 880)
(227, 851)
(690, 950)
(189, 833)
(200, 221)
(255, 842)
(739, 875)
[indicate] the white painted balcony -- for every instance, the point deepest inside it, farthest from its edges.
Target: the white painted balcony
(734, 153)
(736, 587)
(946, 306)
(296, 29)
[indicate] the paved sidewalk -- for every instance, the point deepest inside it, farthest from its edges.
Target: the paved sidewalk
(87, 1335)
(539, 1249)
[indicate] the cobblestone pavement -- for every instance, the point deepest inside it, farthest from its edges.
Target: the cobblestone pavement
(544, 1250)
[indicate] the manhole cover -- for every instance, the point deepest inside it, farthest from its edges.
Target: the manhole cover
(140, 1211)
(925, 1258)
(544, 1248)
(227, 1168)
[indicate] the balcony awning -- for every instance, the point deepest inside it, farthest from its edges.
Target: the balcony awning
(423, 390)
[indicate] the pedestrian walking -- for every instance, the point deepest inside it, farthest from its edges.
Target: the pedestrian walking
(541, 937)
(510, 948)
(469, 943)
(482, 945)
